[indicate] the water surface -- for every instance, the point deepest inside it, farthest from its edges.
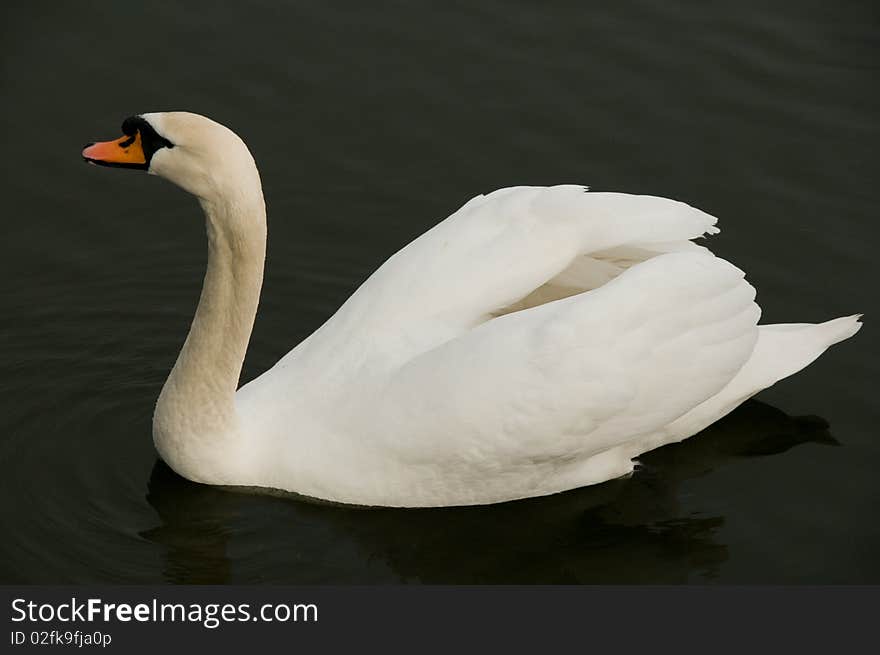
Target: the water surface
(370, 123)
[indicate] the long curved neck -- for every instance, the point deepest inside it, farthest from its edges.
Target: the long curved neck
(197, 403)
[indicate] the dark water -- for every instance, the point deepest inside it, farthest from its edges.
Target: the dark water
(372, 121)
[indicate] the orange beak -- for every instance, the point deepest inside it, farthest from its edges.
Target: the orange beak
(124, 152)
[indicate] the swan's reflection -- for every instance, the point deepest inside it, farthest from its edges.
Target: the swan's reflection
(624, 531)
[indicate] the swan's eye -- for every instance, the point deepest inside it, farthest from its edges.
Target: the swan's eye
(152, 140)
(129, 141)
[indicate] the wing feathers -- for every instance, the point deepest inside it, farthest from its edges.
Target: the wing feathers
(607, 364)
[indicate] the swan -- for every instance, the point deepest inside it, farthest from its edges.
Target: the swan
(537, 340)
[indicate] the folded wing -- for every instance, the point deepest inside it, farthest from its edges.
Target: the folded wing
(511, 249)
(568, 380)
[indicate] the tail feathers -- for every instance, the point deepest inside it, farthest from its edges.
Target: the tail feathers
(827, 333)
(786, 348)
(781, 350)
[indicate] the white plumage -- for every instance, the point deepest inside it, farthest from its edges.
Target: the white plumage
(537, 340)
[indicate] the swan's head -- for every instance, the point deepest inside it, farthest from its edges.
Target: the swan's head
(198, 154)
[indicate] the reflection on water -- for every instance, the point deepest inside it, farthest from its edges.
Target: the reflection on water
(625, 531)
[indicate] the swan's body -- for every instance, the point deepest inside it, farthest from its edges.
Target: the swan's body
(537, 340)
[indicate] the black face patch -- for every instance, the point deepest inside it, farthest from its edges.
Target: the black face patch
(151, 141)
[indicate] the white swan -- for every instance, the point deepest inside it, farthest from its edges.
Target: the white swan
(537, 340)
